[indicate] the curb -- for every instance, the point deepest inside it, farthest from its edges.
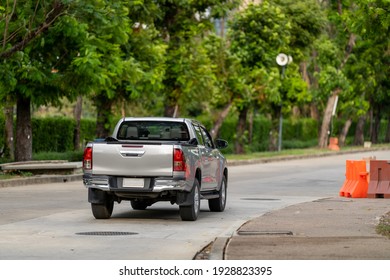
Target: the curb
(217, 250)
(42, 179)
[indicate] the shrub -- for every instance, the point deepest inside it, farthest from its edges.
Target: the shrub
(54, 134)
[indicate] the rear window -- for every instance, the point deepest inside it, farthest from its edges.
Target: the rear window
(153, 130)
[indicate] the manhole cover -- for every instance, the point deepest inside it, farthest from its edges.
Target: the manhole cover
(106, 233)
(248, 232)
(256, 198)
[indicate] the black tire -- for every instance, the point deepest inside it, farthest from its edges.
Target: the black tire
(102, 211)
(218, 204)
(138, 205)
(191, 212)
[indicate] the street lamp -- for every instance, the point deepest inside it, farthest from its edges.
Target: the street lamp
(282, 60)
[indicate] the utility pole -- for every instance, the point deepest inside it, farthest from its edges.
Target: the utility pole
(282, 60)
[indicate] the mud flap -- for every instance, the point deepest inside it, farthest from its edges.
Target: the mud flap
(184, 198)
(97, 196)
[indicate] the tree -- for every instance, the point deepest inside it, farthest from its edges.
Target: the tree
(23, 69)
(349, 63)
(370, 21)
(60, 48)
(258, 34)
(188, 77)
(229, 80)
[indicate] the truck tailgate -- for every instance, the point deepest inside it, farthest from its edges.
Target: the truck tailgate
(150, 160)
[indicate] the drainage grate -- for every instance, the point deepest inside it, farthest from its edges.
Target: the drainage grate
(266, 233)
(106, 233)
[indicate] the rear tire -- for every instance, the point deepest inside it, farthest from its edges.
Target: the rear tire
(102, 211)
(191, 212)
(218, 204)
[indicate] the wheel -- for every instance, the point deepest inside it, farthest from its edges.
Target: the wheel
(191, 212)
(138, 205)
(218, 204)
(102, 211)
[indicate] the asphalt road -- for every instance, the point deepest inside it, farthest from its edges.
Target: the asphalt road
(54, 221)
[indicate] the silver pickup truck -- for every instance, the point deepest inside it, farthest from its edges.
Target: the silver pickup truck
(156, 159)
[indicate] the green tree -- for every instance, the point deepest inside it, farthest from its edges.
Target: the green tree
(59, 48)
(369, 71)
(230, 80)
(24, 71)
(188, 78)
(347, 63)
(258, 34)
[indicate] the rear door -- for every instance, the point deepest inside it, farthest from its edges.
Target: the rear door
(126, 159)
(209, 160)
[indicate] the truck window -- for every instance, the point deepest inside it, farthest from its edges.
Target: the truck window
(208, 142)
(198, 134)
(153, 130)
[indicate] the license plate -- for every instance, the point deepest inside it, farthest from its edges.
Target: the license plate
(133, 183)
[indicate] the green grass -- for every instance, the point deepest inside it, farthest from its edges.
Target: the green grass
(69, 156)
(275, 154)
(14, 175)
(294, 152)
(383, 227)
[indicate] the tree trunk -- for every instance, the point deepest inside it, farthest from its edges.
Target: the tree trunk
(273, 141)
(387, 136)
(359, 132)
(276, 133)
(169, 111)
(77, 115)
(376, 125)
(23, 130)
(171, 107)
(9, 150)
(250, 129)
(314, 114)
(371, 117)
(241, 126)
(344, 132)
(304, 73)
(103, 105)
(324, 133)
(221, 117)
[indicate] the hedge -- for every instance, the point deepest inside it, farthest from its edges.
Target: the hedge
(296, 133)
(55, 134)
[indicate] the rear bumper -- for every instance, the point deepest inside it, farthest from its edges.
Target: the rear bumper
(151, 185)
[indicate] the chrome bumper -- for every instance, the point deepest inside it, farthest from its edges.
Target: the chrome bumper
(107, 183)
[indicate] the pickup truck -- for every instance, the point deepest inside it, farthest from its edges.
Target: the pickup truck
(152, 159)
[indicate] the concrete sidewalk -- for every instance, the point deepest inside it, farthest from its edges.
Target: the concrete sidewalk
(328, 229)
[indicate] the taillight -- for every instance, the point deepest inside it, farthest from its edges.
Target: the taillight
(87, 158)
(179, 162)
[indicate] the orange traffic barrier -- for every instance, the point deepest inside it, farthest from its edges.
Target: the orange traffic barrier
(379, 186)
(356, 182)
(334, 144)
(348, 178)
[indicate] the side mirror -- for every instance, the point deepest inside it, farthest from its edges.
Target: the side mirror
(193, 142)
(221, 144)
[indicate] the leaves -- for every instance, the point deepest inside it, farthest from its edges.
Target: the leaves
(166, 53)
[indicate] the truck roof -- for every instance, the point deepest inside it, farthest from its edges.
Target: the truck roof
(155, 119)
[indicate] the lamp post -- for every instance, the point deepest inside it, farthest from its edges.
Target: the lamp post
(282, 60)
